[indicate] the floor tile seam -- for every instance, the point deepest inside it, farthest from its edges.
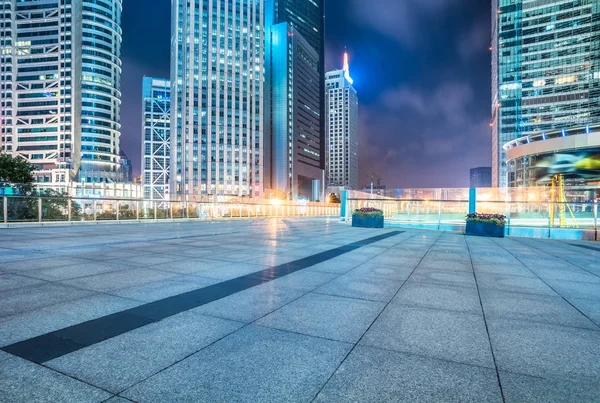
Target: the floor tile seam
(537, 322)
(45, 307)
(495, 317)
(441, 283)
(426, 356)
(553, 289)
(346, 297)
(60, 281)
(373, 322)
(533, 294)
(172, 315)
(299, 333)
(487, 329)
(431, 308)
(558, 257)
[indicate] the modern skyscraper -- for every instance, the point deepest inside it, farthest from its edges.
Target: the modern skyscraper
(60, 72)
(156, 135)
(342, 128)
(217, 76)
(545, 72)
(295, 69)
(296, 170)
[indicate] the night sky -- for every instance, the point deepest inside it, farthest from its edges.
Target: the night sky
(421, 69)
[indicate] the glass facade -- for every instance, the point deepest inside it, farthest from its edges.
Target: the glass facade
(295, 117)
(545, 73)
(342, 129)
(217, 78)
(59, 79)
(156, 135)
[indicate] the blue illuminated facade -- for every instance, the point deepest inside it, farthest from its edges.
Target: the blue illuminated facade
(545, 75)
(294, 112)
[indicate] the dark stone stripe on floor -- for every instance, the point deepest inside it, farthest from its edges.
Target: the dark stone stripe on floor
(586, 247)
(61, 342)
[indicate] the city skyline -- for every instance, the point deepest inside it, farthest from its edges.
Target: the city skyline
(395, 79)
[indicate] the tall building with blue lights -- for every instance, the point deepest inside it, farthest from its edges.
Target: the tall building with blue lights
(156, 138)
(294, 103)
(60, 72)
(341, 128)
(217, 92)
(545, 78)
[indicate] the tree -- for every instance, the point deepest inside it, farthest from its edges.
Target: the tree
(17, 172)
(333, 198)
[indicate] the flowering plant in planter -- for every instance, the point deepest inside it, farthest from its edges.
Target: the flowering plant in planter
(367, 217)
(368, 212)
(496, 219)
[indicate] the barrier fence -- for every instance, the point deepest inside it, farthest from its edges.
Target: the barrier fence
(530, 211)
(40, 209)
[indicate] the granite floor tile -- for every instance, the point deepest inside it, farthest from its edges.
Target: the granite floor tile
(523, 388)
(108, 282)
(157, 290)
(373, 375)
(304, 280)
(9, 281)
(369, 288)
(505, 282)
(252, 304)
(545, 350)
(326, 316)
(32, 297)
(252, 365)
(23, 381)
(530, 307)
(118, 363)
(447, 335)
(230, 270)
(371, 269)
(461, 299)
(444, 277)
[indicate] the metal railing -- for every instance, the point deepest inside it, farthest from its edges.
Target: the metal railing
(43, 209)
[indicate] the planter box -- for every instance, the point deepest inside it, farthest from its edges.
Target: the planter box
(367, 222)
(484, 229)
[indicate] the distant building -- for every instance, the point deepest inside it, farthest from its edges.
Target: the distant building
(481, 177)
(341, 104)
(156, 135)
(60, 73)
(545, 78)
(126, 167)
(294, 127)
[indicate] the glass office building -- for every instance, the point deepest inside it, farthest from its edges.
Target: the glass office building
(545, 72)
(295, 90)
(217, 79)
(156, 135)
(342, 129)
(60, 95)
(296, 170)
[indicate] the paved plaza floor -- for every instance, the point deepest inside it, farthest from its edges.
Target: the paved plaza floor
(294, 310)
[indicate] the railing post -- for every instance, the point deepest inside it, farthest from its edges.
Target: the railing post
(39, 209)
(69, 209)
(5, 209)
(154, 208)
(171, 210)
(94, 208)
(439, 215)
(137, 210)
(596, 219)
(118, 212)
